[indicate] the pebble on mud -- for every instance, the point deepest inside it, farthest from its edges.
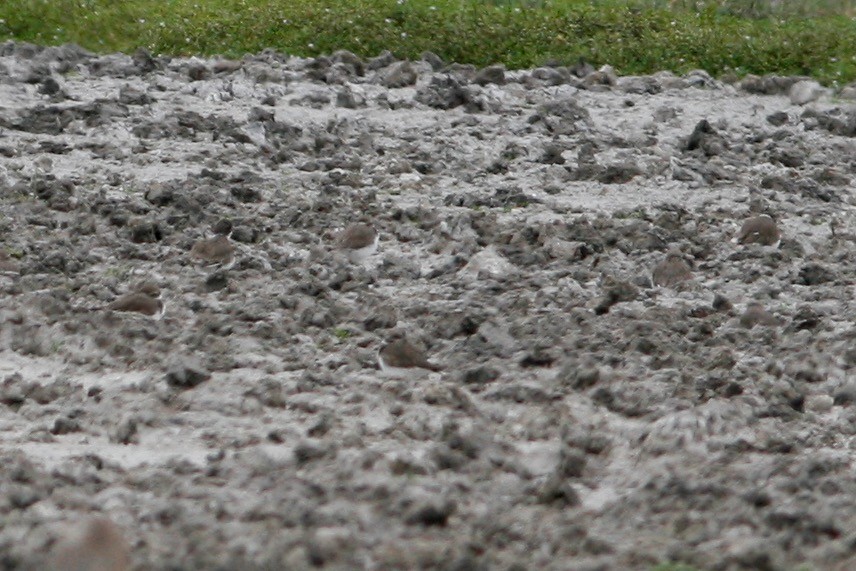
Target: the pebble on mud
(186, 374)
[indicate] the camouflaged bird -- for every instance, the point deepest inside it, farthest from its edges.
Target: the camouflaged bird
(759, 230)
(359, 241)
(401, 358)
(146, 299)
(671, 271)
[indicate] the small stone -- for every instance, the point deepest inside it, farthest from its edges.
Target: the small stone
(350, 59)
(538, 357)
(145, 232)
(399, 75)
(443, 92)
(244, 234)
(347, 99)
(803, 92)
(757, 314)
(491, 74)
(572, 463)
(815, 274)
(582, 68)
(246, 194)
(8, 264)
(307, 451)
(430, 513)
(846, 394)
(578, 377)
(12, 390)
(66, 425)
(777, 119)
(557, 490)
(226, 66)
(721, 303)
(159, 195)
(126, 432)
(617, 291)
(383, 60)
(144, 60)
(197, 71)
(705, 138)
(49, 86)
(381, 319)
(432, 59)
(129, 95)
(819, 403)
(848, 92)
(217, 281)
(805, 318)
(187, 374)
(480, 375)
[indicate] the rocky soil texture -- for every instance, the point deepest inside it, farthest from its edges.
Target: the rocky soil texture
(584, 417)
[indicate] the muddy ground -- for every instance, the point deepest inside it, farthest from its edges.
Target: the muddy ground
(584, 418)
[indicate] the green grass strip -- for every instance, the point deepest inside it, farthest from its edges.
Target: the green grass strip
(640, 37)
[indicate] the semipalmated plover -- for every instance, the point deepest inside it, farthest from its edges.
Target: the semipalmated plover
(358, 241)
(759, 230)
(400, 358)
(145, 299)
(218, 250)
(672, 270)
(96, 546)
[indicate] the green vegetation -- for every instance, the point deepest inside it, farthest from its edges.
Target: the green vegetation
(641, 36)
(341, 334)
(120, 272)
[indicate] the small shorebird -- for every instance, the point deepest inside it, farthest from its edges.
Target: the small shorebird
(401, 359)
(218, 250)
(145, 299)
(672, 270)
(759, 230)
(98, 545)
(358, 241)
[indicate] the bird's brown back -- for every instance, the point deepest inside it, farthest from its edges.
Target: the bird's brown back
(137, 302)
(401, 354)
(671, 271)
(101, 547)
(357, 236)
(759, 230)
(213, 250)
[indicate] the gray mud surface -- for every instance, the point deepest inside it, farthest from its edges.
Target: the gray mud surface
(584, 418)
